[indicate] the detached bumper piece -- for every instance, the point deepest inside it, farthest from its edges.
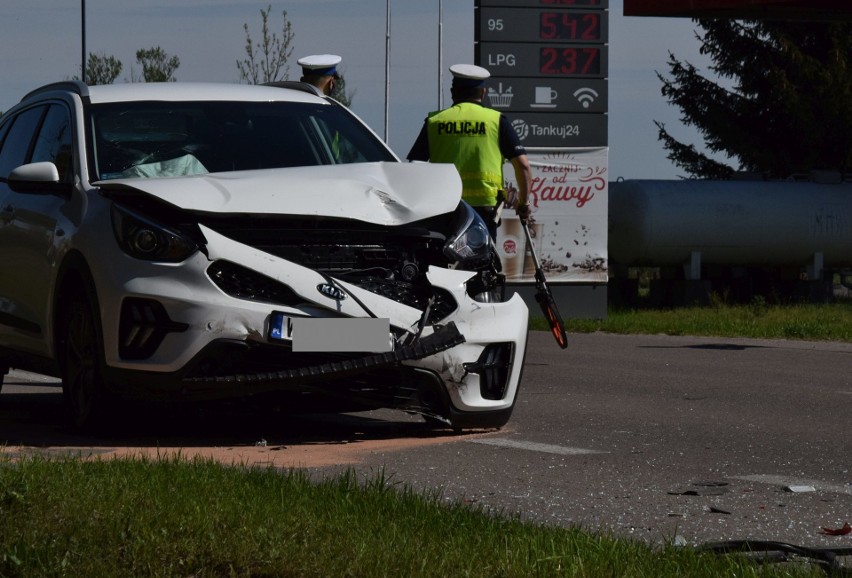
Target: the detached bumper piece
(765, 552)
(443, 338)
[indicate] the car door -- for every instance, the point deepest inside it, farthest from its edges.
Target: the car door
(29, 225)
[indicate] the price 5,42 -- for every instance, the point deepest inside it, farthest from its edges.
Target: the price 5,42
(585, 26)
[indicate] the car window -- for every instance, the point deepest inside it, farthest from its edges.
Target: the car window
(341, 138)
(16, 146)
(154, 139)
(54, 141)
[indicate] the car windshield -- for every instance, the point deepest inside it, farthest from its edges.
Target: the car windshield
(160, 139)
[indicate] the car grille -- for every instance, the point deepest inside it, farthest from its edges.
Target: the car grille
(388, 261)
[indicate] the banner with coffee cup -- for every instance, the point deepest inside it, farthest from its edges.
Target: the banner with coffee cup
(569, 218)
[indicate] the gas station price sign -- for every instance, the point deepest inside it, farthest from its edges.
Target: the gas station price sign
(537, 25)
(554, 3)
(548, 61)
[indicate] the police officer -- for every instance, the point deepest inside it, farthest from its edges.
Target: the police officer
(320, 70)
(476, 139)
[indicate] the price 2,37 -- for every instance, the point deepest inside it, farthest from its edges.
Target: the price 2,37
(570, 61)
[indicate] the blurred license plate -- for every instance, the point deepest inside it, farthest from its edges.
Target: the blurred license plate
(331, 333)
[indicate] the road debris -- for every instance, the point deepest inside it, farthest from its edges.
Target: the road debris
(706, 489)
(846, 529)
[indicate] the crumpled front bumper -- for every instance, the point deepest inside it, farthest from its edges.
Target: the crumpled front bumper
(465, 352)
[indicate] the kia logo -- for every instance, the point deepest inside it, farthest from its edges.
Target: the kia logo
(331, 291)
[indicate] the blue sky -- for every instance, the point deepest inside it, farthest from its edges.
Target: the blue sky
(41, 43)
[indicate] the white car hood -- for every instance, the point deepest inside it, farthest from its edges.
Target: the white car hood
(385, 193)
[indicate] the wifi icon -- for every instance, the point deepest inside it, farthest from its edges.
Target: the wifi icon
(586, 96)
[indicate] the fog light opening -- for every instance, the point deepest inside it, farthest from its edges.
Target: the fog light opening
(143, 325)
(494, 368)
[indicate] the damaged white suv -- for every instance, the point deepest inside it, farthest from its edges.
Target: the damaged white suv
(185, 242)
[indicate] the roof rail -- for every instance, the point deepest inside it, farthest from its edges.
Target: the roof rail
(296, 85)
(75, 86)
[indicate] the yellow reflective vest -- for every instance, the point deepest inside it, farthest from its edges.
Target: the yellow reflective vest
(468, 135)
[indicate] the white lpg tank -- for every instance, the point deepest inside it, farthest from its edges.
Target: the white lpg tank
(774, 223)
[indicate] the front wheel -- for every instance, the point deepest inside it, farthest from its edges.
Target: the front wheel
(83, 387)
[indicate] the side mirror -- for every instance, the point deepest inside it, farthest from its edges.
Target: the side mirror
(42, 177)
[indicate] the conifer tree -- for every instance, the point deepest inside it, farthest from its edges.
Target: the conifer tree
(787, 106)
(339, 93)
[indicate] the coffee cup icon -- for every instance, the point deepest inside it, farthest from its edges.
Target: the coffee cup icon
(545, 97)
(512, 248)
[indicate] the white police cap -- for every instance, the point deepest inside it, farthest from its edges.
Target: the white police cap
(322, 64)
(469, 75)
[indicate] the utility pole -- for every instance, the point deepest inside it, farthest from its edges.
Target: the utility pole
(440, 54)
(387, 66)
(83, 36)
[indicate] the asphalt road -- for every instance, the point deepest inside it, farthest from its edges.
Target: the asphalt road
(651, 437)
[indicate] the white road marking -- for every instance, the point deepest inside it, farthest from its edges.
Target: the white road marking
(534, 447)
(784, 482)
(21, 377)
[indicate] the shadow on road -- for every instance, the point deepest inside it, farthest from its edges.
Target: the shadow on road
(34, 417)
(708, 346)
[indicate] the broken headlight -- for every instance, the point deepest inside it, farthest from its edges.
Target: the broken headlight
(148, 240)
(471, 243)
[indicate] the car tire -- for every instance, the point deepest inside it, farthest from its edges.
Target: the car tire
(83, 388)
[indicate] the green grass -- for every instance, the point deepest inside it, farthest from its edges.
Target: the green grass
(812, 322)
(170, 517)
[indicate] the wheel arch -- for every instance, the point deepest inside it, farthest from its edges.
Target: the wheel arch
(74, 277)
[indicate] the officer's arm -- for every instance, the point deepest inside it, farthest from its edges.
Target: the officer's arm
(420, 150)
(512, 149)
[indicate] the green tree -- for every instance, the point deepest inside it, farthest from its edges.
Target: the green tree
(339, 93)
(101, 69)
(157, 65)
(266, 60)
(788, 107)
